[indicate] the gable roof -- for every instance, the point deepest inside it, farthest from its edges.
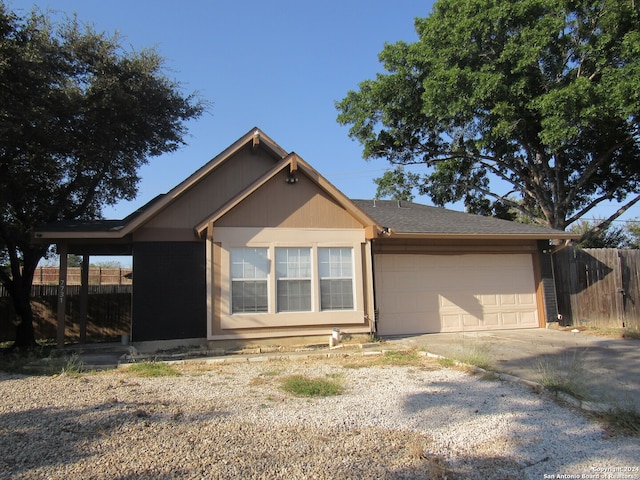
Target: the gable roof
(293, 163)
(120, 228)
(401, 218)
(397, 219)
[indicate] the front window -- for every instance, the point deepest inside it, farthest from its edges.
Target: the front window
(249, 273)
(293, 275)
(335, 267)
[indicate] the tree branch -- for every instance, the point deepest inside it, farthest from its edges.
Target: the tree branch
(605, 224)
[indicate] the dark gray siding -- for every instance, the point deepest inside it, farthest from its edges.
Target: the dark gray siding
(548, 282)
(169, 291)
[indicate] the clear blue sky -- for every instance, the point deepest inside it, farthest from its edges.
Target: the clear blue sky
(279, 65)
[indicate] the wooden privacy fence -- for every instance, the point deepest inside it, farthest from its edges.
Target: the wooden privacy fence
(598, 287)
(97, 276)
(108, 316)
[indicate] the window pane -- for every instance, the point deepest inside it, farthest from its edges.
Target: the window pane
(335, 266)
(249, 263)
(249, 272)
(293, 262)
(294, 295)
(336, 294)
(293, 272)
(335, 262)
(249, 296)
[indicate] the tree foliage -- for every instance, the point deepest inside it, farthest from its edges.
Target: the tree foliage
(78, 116)
(540, 96)
(611, 237)
(397, 184)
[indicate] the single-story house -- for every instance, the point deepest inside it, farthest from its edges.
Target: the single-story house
(257, 244)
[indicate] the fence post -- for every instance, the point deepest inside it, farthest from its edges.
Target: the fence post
(62, 297)
(84, 298)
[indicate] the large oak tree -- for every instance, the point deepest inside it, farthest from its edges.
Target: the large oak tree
(530, 104)
(78, 116)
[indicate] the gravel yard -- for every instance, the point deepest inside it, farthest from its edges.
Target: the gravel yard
(232, 420)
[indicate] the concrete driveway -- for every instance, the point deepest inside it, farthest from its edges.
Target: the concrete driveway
(608, 369)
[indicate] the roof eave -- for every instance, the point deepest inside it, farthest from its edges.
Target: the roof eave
(482, 236)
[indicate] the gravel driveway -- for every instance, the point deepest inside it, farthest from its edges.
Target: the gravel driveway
(232, 420)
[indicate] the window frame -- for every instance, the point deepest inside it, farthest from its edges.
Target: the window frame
(286, 279)
(340, 277)
(244, 280)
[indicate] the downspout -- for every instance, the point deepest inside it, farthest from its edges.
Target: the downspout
(373, 304)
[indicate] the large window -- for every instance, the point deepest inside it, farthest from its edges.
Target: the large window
(278, 279)
(336, 278)
(249, 274)
(293, 279)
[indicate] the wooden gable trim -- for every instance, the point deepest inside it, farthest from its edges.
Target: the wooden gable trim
(255, 136)
(295, 164)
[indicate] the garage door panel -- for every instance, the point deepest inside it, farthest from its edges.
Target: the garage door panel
(447, 293)
(491, 320)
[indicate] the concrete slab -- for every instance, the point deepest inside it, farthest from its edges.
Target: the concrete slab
(609, 369)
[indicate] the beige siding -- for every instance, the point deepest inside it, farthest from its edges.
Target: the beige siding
(208, 195)
(285, 205)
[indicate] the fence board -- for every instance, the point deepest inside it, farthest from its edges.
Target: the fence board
(97, 276)
(598, 287)
(109, 312)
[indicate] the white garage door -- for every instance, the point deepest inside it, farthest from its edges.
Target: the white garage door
(454, 293)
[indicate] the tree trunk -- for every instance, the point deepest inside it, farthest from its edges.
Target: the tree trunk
(25, 334)
(19, 286)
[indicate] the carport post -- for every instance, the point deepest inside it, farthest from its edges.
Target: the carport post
(84, 298)
(62, 293)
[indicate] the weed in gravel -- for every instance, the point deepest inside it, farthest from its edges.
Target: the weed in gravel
(474, 354)
(623, 420)
(446, 362)
(153, 369)
(311, 387)
(564, 373)
(72, 365)
(632, 333)
(400, 358)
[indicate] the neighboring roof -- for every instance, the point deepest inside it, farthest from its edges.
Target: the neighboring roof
(413, 219)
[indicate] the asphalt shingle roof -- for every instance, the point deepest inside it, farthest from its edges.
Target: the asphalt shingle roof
(408, 217)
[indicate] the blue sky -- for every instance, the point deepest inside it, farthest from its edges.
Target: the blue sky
(278, 65)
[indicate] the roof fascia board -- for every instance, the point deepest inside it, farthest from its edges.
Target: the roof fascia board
(483, 236)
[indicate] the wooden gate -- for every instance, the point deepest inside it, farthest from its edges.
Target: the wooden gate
(598, 287)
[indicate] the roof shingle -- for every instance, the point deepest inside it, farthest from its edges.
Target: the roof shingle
(408, 217)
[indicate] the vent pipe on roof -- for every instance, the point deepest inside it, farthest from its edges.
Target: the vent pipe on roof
(374, 202)
(399, 206)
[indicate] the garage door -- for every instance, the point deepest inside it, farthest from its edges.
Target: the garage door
(454, 293)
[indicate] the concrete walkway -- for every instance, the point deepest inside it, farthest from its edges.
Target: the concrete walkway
(608, 369)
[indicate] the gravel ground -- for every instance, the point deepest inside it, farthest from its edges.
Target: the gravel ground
(233, 420)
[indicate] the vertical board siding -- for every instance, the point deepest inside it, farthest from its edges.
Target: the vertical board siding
(598, 287)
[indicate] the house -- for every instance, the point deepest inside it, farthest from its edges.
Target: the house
(257, 244)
